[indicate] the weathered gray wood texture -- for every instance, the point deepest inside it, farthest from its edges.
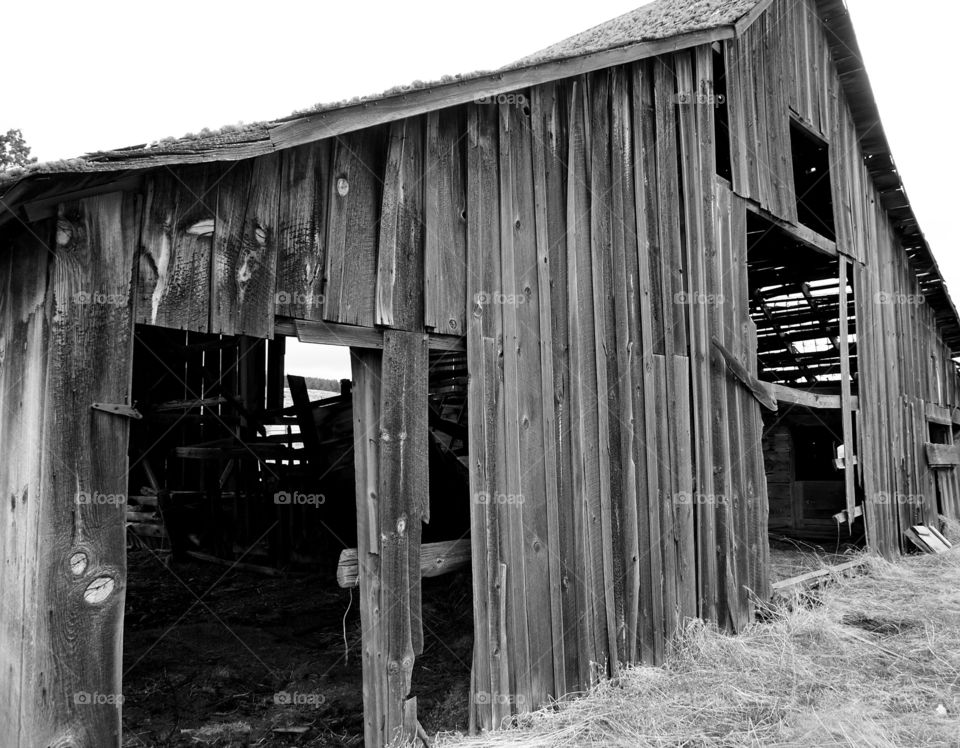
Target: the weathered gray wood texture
(67, 332)
(578, 237)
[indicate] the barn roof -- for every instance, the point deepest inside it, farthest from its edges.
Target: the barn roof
(634, 35)
(656, 28)
(656, 20)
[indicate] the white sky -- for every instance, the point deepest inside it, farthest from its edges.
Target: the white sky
(103, 74)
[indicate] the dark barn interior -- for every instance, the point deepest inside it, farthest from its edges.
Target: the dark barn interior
(242, 510)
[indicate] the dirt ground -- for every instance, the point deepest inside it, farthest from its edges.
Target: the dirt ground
(229, 658)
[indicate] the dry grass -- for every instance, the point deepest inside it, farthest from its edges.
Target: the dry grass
(875, 663)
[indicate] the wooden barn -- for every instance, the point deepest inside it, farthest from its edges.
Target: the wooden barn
(656, 289)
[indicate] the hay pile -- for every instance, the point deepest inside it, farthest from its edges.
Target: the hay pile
(875, 663)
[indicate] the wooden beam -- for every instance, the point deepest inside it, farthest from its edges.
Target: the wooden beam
(760, 390)
(355, 336)
(940, 414)
(802, 234)
(794, 396)
(377, 111)
(812, 578)
(403, 506)
(747, 20)
(435, 559)
(943, 455)
(846, 397)
(37, 210)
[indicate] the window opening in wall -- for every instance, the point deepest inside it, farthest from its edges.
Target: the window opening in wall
(811, 177)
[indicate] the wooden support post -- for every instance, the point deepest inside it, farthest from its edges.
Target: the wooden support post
(846, 396)
(403, 494)
(73, 529)
(366, 430)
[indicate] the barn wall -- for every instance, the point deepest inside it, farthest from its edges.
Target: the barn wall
(24, 335)
(364, 229)
(617, 490)
(782, 65)
(577, 235)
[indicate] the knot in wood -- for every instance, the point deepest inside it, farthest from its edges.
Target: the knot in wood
(78, 563)
(98, 590)
(401, 525)
(64, 232)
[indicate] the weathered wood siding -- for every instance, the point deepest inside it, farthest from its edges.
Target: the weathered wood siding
(577, 235)
(67, 330)
(366, 229)
(24, 336)
(617, 489)
(903, 362)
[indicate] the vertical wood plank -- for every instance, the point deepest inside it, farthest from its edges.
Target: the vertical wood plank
(400, 277)
(353, 227)
(174, 265)
(24, 334)
(366, 375)
(548, 187)
(490, 679)
(698, 248)
(585, 478)
(403, 481)
(243, 280)
(846, 395)
(78, 577)
(514, 230)
(445, 203)
(607, 438)
(648, 449)
(302, 230)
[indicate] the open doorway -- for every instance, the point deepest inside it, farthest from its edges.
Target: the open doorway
(242, 620)
(798, 302)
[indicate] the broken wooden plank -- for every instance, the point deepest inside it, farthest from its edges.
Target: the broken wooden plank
(794, 396)
(267, 571)
(812, 578)
(760, 390)
(927, 539)
(355, 336)
(436, 559)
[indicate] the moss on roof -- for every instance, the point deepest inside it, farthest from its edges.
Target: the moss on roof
(656, 20)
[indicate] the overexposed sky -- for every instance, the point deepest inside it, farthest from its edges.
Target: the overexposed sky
(102, 74)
